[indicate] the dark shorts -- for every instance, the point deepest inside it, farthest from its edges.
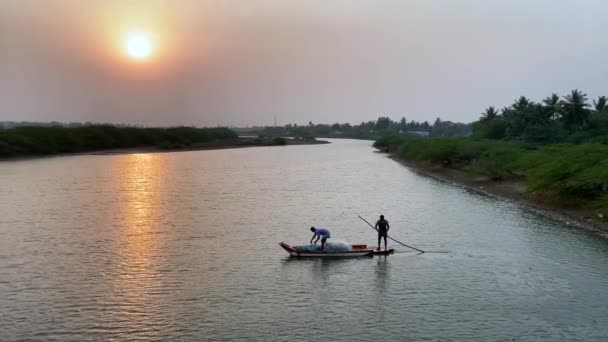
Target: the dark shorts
(323, 240)
(382, 234)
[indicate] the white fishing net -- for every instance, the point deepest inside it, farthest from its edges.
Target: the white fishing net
(330, 247)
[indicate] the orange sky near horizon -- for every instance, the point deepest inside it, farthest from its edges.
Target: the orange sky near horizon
(96, 32)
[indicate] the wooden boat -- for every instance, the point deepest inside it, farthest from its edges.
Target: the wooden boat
(354, 251)
(384, 252)
(375, 251)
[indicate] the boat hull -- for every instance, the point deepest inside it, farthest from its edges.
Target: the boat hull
(356, 252)
(384, 252)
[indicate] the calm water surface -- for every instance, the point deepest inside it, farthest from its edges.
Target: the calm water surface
(183, 247)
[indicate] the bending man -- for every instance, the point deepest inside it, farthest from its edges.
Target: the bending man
(320, 233)
(382, 227)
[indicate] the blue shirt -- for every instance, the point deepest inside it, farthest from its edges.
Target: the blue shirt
(323, 233)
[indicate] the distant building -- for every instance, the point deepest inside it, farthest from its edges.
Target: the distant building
(423, 134)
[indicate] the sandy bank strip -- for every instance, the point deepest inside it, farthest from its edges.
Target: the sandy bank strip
(512, 189)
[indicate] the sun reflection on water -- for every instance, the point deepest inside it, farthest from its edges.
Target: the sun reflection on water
(140, 193)
(141, 183)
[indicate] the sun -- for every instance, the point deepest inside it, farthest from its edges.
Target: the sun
(138, 45)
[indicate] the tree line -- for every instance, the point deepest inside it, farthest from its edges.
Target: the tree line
(366, 130)
(559, 146)
(39, 140)
(570, 118)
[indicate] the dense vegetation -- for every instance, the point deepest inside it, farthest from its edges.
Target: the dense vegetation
(37, 140)
(568, 119)
(560, 148)
(365, 130)
(562, 173)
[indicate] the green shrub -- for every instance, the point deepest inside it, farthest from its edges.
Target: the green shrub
(496, 162)
(573, 171)
(390, 143)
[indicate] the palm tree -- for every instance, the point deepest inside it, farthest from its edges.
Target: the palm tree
(490, 113)
(382, 123)
(552, 107)
(575, 108)
(522, 104)
(519, 115)
(600, 104)
(403, 124)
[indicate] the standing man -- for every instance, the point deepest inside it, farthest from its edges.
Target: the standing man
(382, 227)
(320, 233)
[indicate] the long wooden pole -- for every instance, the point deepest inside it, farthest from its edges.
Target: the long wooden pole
(401, 243)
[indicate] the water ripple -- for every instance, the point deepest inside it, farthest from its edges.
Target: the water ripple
(183, 247)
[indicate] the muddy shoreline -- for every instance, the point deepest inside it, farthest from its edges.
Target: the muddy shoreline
(512, 189)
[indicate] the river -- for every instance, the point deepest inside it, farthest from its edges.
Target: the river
(183, 247)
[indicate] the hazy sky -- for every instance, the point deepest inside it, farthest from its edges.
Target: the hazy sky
(244, 62)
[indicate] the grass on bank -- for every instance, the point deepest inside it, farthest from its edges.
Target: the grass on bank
(564, 173)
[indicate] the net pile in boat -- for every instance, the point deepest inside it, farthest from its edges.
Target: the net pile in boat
(330, 247)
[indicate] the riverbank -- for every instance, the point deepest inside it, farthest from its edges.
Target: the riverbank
(39, 141)
(563, 176)
(241, 142)
(513, 188)
(33, 141)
